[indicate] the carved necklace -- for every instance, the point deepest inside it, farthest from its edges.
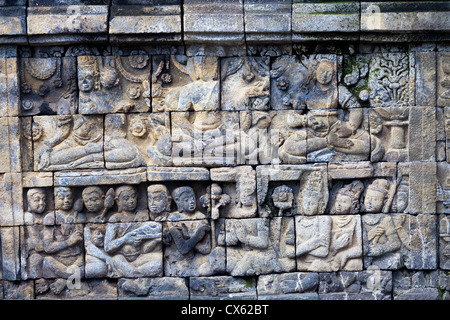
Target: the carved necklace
(127, 75)
(41, 69)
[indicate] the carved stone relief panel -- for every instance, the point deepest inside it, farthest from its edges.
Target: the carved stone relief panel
(46, 289)
(328, 243)
(128, 250)
(48, 86)
(209, 138)
(304, 81)
(420, 285)
(444, 242)
(114, 84)
(245, 83)
(194, 247)
(443, 79)
(390, 79)
(181, 83)
(135, 140)
(287, 190)
(234, 193)
(69, 142)
(260, 246)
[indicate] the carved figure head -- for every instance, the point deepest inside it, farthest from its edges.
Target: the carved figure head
(63, 198)
(126, 198)
(401, 201)
(158, 199)
(36, 200)
(109, 77)
(246, 186)
(347, 198)
(97, 234)
(325, 72)
(93, 198)
(88, 74)
(185, 199)
(376, 195)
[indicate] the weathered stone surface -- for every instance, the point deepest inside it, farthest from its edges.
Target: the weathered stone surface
(415, 16)
(304, 185)
(267, 21)
(444, 242)
(114, 84)
(219, 20)
(10, 152)
(245, 83)
(181, 83)
(341, 18)
(260, 246)
(146, 22)
(13, 21)
(443, 188)
(372, 284)
(74, 23)
(288, 286)
(328, 243)
(10, 257)
(394, 241)
(62, 289)
(420, 285)
(443, 78)
(158, 288)
(222, 288)
(9, 87)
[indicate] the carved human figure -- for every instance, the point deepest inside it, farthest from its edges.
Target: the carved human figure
(93, 199)
(252, 238)
(80, 147)
(400, 204)
(63, 237)
(382, 247)
(200, 93)
(377, 196)
(283, 198)
(88, 74)
(186, 203)
(324, 93)
(159, 201)
(36, 200)
(98, 263)
(126, 199)
(246, 189)
(347, 198)
(255, 137)
(134, 248)
(328, 244)
(313, 195)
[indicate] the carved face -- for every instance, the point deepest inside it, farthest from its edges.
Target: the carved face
(325, 72)
(401, 202)
(246, 190)
(127, 200)
(186, 201)
(64, 199)
(36, 201)
(86, 79)
(343, 204)
(158, 202)
(93, 201)
(373, 201)
(98, 238)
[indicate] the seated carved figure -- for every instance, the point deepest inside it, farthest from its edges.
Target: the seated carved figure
(98, 263)
(134, 249)
(63, 237)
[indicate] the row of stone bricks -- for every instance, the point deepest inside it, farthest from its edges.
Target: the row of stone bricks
(365, 285)
(220, 21)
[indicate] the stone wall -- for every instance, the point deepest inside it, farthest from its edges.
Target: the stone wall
(237, 149)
